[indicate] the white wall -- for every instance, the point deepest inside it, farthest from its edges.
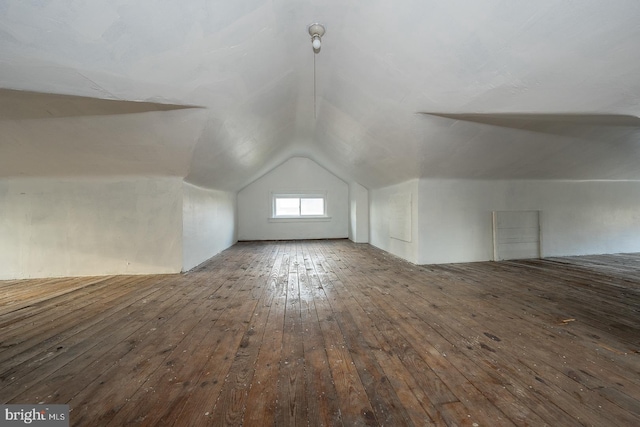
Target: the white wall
(577, 218)
(358, 213)
(89, 226)
(296, 174)
(209, 224)
(380, 215)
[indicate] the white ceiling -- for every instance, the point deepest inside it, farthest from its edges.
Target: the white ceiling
(487, 72)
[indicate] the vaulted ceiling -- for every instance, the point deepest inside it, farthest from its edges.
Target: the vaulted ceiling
(220, 92)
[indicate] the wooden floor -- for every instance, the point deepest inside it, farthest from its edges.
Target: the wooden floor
(332, 333)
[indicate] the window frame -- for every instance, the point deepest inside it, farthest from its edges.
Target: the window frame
(298, 195)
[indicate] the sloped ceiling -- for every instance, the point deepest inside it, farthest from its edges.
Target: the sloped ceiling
(511, 89)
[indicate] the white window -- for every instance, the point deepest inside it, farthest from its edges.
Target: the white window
(301, 206)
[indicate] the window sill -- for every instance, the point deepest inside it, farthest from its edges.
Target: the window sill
(300, 219)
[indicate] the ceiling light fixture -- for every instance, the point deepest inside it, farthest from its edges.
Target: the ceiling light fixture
(316, 31)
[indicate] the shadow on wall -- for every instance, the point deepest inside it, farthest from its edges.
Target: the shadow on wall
(578, 125)
(24, 105)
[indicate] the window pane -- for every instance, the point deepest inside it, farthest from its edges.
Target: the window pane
(312, 206)
(287, 207)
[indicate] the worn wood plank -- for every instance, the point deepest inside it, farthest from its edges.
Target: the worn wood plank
(231, 326)
(360, 341)
(73, 350)
(263, 392)
(166, 387)
(230, 407)
(520, 379)
(331, 333)
(323, 404)
(57, 323)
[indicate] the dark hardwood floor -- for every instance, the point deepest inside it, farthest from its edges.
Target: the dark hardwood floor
(332, 333)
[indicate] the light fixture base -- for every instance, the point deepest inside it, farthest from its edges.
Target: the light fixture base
(316, 29)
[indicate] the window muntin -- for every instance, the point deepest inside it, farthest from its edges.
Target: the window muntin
(299, 205)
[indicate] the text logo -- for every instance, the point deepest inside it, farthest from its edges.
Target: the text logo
(34, 415)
